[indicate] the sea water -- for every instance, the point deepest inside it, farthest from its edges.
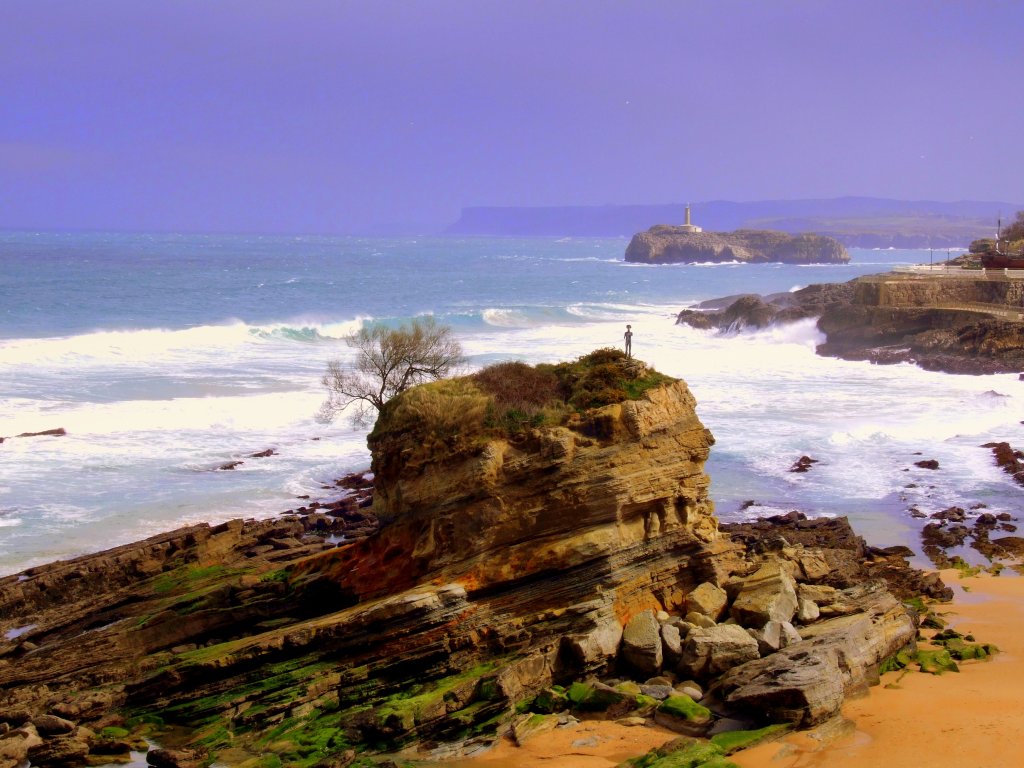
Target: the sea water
(165, 357)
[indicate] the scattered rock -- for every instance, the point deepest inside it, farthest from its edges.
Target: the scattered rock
(803, 464)
(927, 464)
(952, 514)
(59, 432)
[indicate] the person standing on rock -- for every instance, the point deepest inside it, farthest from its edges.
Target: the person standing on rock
(628, 336)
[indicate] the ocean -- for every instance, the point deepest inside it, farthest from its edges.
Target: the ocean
(165, 357)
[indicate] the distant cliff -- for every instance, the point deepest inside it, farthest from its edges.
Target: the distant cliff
(664, 244)
(862, 222)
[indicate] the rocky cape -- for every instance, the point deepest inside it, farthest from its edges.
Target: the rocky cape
(969, 323)
(516, 581)
(666, 244)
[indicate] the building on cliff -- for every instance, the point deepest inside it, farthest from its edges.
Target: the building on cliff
(689, 227)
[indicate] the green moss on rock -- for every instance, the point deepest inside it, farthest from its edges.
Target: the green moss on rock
(734, 741)
(685, 708)
(588, 698)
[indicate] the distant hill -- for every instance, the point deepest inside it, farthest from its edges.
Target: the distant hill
(866, 222)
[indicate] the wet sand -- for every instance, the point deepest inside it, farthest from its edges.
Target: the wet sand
(589, 744)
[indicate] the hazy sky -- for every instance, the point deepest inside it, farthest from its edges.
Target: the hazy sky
(338, 116)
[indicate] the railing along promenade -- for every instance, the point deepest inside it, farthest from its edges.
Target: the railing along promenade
(942, 271)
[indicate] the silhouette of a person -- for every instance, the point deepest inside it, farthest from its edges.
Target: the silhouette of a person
(628, 336)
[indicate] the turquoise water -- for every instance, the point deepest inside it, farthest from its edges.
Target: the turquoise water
(165, 356)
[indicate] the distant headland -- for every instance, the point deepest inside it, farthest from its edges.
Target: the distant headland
(688, 243)
(856, 222)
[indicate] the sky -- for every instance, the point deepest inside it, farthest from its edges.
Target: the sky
(381, 116)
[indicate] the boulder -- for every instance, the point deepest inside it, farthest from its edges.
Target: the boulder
(708, 599)
(805, 683)
(641, 643)
(769, 594)
(51, 725)
(711, 651)
(594, 648)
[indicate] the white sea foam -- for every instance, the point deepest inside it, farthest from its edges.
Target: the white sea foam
(506, 318)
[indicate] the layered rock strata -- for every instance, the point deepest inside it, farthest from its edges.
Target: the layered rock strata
(666, 244)
(509, 568)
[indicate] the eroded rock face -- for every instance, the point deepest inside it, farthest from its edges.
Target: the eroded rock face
(617, 478)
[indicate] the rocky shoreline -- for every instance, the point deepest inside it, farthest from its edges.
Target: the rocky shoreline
(517, 581)
(948, 324)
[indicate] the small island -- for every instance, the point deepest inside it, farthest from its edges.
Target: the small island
(688, 244)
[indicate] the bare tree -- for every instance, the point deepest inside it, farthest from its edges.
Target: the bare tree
(388, 361)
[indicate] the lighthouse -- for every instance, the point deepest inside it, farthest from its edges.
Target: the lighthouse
(688, 227)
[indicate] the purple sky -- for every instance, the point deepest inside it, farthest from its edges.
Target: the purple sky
(334, 116)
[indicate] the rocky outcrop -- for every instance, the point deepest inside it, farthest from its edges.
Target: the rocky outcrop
(665, 244)
(806, 682)
(523, 572)
(507, 564)
(970, 324)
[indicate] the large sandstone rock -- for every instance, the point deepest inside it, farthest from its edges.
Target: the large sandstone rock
(711, 651)
(769, 594)
(641, 644)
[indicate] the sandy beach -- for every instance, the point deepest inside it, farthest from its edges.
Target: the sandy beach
(968, 720)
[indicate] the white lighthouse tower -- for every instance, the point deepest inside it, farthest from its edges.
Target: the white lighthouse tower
(688, 227)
